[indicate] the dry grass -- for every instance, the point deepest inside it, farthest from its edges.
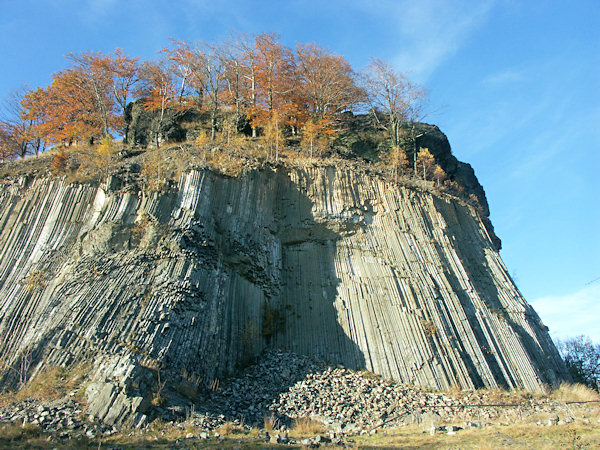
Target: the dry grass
(229, 428)
(52, 383)
(14, 435)
(512, 436)
(568, 392)
(270, 423)
(305, 426)
(503, 396)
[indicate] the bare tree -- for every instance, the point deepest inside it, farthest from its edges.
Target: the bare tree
(208, 73)
(582, 358)
(159, 91)
(390, 92)
(95, 77)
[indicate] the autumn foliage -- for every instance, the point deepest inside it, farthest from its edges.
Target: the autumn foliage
(250, 86)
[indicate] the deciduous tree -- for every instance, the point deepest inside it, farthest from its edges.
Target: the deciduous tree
(63, 113)
(582, 358)
(125, 74)
(390, 92)
(327, 81)
(159, 91)
(439, 175)
(397, 161)
(426, 161)
(316, 133)
(18, 130)
(95, 80)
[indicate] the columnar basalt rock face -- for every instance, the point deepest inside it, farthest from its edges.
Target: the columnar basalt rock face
(197, 280)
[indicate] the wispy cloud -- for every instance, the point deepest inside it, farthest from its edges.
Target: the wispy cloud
(432, 31)
(509, 75)
(96, 10)
(572, 314)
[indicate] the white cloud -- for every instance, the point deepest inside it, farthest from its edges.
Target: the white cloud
(432, 31)
(572, 314)
(510, 75)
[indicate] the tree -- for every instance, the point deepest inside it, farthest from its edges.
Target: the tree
(125, 73)
(315, 133)
(391, 93)
(208, 74)
(63, 113)
(327, 81)
(425, 160)
(8, 149)
(159, 91)
(582, 358)
(94, 78)
(180, 64)
(438, 174)
(237, 71)
(273, 132)
(274, 68)
(396, 159)
(18, 130)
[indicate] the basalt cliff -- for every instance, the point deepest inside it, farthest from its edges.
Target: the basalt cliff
(194, 281)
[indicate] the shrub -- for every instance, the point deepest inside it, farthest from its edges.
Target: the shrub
(35, 280)
(59, 162)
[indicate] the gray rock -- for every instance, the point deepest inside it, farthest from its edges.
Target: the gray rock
(337, 251)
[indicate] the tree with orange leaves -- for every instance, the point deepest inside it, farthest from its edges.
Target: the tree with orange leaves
(17, 129)
(64, 113)
(316, 133)
(8, 149)
(181, 64)
(326, 81)
(273, 100)
(274, 70)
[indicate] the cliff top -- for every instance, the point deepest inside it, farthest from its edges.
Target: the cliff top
(358, 145)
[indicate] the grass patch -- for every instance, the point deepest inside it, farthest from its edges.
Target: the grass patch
(513, 436)
(52, 383)
(568, 392)
(270, 423)
(305, 426)
(230, 428)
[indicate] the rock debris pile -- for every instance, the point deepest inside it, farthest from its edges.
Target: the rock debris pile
(283, 386)
(64, 417)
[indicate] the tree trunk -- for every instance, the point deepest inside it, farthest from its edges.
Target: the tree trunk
(213, 124)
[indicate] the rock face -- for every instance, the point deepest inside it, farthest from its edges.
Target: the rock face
(191, 283)
(143, 125)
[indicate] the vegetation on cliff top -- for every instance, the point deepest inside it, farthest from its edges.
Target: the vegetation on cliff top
(240, 103)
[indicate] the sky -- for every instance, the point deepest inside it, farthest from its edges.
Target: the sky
(514, 84)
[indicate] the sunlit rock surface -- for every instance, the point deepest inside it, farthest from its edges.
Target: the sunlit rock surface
(198, 280)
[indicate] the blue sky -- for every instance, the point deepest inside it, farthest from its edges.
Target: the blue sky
(514, 84)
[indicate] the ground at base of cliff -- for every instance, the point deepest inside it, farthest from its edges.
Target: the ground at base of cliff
(578, 434)
(326, 407)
